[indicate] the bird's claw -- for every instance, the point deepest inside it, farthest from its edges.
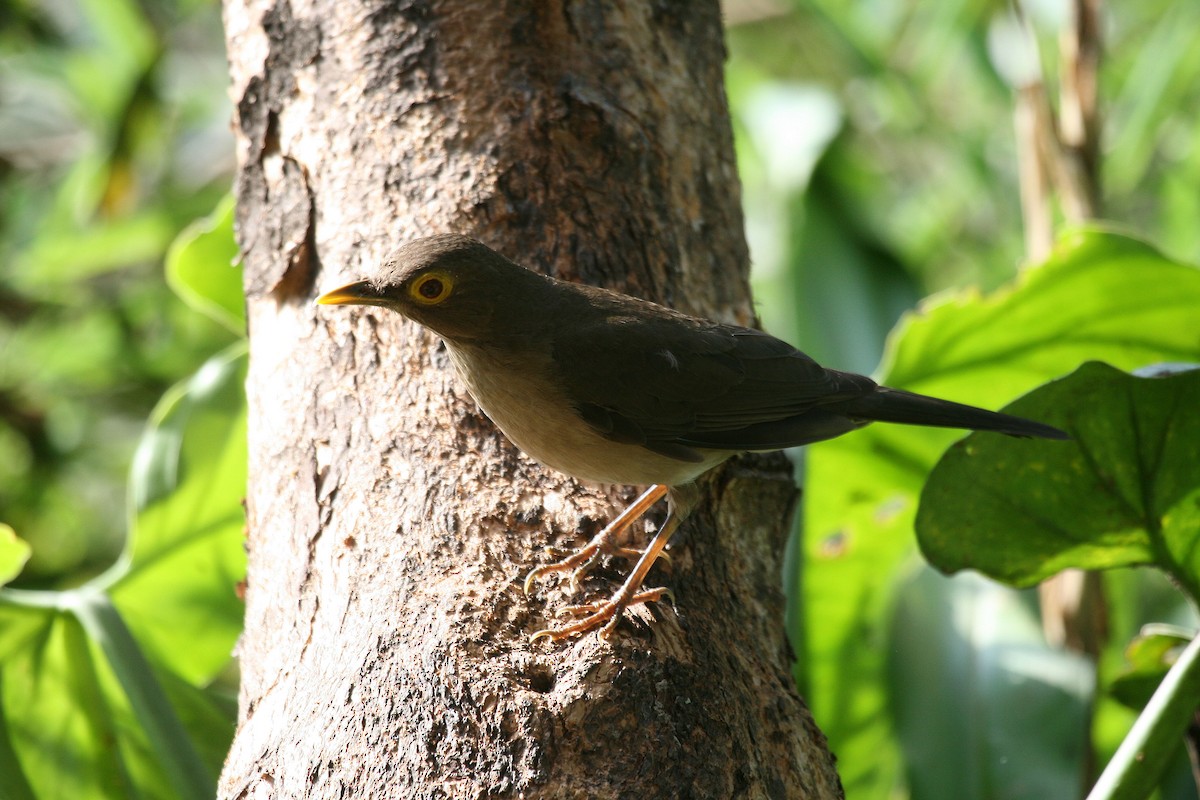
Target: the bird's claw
(644, 596)
(580, 561)
(575, 561)
(604, 615)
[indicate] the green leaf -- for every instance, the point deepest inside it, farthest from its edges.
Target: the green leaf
(86, 708)
(1149, 656)
(19, 625)
(1143, 756)
(64, 729)
(983, 707)
(84, 713)
(95, 708)
(1125, 492)
(173, 751)
(203, 268)
(14, 552)
(177, 581)
(1099, 296)
(14, 785)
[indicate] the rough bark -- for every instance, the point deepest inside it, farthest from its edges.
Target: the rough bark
(386, 651)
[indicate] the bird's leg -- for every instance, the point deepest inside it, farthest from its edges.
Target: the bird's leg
(603, 541)
(609, 612)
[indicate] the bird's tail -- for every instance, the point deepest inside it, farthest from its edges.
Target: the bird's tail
(897, 405)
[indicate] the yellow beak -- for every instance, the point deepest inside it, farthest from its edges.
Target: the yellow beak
(359, 293)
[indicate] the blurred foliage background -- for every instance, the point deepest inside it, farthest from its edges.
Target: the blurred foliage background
(114, 134)
(877, 150)
(879, 164)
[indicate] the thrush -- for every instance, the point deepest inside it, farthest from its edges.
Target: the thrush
(613, 389)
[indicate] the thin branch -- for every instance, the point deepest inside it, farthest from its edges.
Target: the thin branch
(1079, 114)
(1030, 117)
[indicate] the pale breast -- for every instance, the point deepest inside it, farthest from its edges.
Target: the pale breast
(533, 412)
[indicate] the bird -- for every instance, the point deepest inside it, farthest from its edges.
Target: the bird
(614, 389)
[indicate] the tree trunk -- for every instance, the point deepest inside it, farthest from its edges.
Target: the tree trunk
(386, 651)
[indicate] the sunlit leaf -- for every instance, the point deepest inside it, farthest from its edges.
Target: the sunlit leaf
(71, 728)
(202, 268)
(14, 552)
(19, 625)
(161, 739)
(86, 708)
(177, 583)
(62, 723)
(14, 785)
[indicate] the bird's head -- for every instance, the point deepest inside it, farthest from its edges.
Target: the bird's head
(452, 284)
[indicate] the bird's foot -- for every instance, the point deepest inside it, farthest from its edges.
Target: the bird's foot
(644, 596)
(604, 613)
(603, 543)
(579, 562)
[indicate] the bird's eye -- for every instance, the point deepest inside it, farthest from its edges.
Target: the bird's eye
(431, 288)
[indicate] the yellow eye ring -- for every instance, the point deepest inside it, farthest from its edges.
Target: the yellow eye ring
(431, 288)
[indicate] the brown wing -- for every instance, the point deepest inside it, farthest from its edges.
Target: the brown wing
(676, 383)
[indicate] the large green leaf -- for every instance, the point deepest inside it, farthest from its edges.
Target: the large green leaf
(1125, 492)
(165, 751)
(1099, 296)
(14, 785)
(63, 725)
(85, 716)
(177, 582)
(90, 709)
